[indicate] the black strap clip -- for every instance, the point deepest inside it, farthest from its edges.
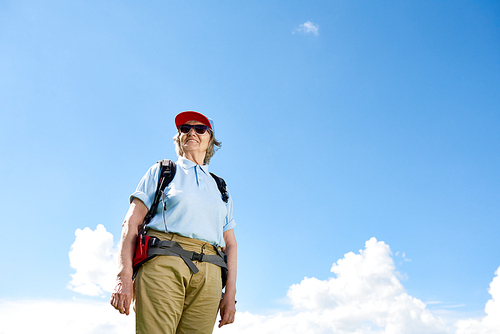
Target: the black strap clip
(197, 257)
(154, 242)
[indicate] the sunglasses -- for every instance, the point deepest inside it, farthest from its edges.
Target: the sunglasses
(198, 128)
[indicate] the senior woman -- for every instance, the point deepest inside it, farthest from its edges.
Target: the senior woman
(169, 297)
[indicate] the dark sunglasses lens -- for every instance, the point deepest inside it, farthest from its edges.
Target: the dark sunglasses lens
(200, 129)
(185, 128)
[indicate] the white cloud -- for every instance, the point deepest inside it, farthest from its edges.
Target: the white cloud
(93, 255)
(490, 324)
(308, 28)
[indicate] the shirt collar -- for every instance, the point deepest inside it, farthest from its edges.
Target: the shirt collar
(187, 164)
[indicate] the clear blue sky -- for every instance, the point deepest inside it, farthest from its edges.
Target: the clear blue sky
(383, 122)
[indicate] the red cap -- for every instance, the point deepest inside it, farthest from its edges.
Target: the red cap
(187, 116)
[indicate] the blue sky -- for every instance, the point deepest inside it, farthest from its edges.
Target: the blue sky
(340, 121)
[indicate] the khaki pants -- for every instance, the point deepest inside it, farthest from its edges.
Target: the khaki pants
(170, 299)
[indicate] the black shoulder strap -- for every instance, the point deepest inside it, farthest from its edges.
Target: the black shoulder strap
(221, 184)
(167, 173)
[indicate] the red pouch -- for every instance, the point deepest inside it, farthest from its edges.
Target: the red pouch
(141, 251)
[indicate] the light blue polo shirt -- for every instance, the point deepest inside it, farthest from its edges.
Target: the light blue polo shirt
(194, 206)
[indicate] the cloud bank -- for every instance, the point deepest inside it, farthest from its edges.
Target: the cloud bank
(365, 296)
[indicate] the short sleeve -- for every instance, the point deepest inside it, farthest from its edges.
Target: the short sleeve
(146, 188)
(230, 222)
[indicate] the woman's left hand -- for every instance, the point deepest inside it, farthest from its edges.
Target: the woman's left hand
(227, 305)
(227, 309)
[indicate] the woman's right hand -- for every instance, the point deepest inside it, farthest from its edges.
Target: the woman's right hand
(124, 288)
(123, 294)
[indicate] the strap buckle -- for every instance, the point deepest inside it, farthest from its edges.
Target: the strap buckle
(154, 242)
(197, 257)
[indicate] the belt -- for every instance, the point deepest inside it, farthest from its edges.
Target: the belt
(172, 248)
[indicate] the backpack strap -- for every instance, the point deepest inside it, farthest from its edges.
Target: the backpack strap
(167, 173)
(221, 184)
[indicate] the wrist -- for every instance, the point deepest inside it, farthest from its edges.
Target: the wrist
(230, 292)
(125, 274)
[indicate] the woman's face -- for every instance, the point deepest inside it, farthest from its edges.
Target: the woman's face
(193, 142)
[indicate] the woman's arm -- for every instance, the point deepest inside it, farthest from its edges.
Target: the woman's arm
(124, 290)
(227, 305)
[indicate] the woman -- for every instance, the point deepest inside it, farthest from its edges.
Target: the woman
(169, 298)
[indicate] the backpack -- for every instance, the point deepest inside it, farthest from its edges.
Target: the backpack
(145, 244)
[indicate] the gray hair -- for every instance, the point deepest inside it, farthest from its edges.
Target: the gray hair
(213, 146)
